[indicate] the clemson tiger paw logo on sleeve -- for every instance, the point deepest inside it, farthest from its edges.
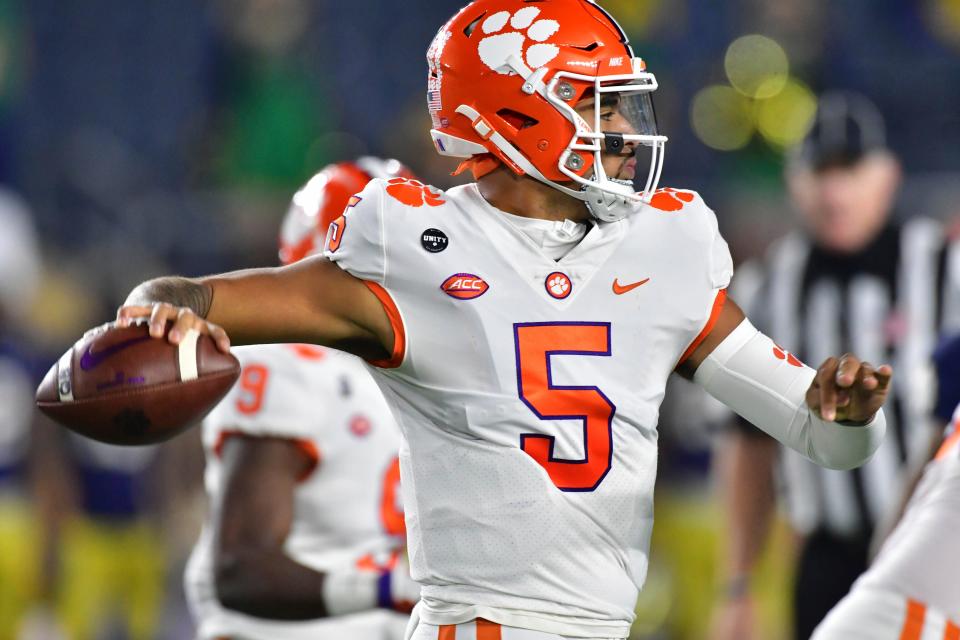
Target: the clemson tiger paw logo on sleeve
(414, 192)
(782, 354)
(498, 45)
(668, 199)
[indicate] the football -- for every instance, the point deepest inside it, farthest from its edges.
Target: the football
(120, 386)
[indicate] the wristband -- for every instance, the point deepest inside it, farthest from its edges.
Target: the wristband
(349, 591)
(384, 596)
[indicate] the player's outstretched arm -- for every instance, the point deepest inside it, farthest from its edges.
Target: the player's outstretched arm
(831, 415)
(311, 301)
(254, 574)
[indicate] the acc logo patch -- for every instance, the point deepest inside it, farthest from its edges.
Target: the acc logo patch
(464, 286)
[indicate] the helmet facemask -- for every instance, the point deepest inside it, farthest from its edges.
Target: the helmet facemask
(609, 198)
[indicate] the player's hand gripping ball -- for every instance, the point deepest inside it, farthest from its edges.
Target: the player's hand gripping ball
(120, 386)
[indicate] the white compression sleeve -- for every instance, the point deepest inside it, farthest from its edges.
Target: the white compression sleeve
(743, 373)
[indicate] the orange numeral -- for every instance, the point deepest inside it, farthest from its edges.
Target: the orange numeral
(536, 342)
(253, 382)
(390, 511)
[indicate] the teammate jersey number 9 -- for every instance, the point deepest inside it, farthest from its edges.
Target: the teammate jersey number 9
(253, 383)
(535, 343)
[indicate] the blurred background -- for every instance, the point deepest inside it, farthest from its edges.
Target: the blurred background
(148, 138)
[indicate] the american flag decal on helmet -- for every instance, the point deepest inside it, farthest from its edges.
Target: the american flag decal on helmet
(434, 101)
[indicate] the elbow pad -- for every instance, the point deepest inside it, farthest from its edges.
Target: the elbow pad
(767, 386)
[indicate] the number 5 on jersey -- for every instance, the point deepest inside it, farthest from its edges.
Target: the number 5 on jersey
(536, 343)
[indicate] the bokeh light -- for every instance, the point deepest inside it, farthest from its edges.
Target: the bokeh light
(756, 66)
(784, 119)
(721, 118)
(943, 19)
(636, 16)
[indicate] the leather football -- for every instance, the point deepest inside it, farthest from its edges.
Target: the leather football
(118, 385)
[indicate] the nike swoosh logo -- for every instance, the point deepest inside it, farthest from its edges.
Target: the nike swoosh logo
(90, 360)
(622, 289)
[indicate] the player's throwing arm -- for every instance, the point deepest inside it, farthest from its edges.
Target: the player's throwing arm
(832, 415)
(312, 301)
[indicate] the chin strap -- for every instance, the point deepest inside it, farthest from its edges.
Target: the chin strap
(610, 207)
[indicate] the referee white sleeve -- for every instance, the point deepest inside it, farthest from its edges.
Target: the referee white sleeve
(744, 373)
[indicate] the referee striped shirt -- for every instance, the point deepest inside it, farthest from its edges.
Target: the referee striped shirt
(887, 304)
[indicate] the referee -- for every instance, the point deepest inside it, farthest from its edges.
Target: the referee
(854, 279)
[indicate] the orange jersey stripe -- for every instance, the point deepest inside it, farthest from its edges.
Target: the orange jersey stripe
(948, 444)
(447, 632)
(952, 632)
(913, 625)
(487, 630)
(712, 320)
(396, 321)
(308, 448)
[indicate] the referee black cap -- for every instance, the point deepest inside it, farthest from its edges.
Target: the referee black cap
(846, 127)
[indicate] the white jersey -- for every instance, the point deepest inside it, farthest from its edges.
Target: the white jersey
(346, 509)
(528, 392)
(913, 582)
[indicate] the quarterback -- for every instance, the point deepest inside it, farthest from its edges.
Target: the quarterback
(305, 536)
(523, 327)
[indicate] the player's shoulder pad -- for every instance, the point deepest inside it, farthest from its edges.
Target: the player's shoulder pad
(683, 208)
(411, 194)
(685, 211)
(360, 239)
(396, 194)
(693, 228)
(672, 200)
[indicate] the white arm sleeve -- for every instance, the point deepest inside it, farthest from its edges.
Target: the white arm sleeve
(745, 373)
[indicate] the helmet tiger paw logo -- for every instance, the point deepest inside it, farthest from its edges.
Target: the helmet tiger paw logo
(497, 47)
(668, 199)
(414, 192)
(782, 354)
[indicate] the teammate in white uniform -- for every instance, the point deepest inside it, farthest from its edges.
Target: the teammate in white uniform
(304, 480)
(523, 328)
(912, 590)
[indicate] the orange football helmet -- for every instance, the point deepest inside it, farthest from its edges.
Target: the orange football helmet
(323, 199)
(505, 76)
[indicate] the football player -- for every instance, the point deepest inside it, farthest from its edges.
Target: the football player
(911, 590)
(523, 327)
(305, 534)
